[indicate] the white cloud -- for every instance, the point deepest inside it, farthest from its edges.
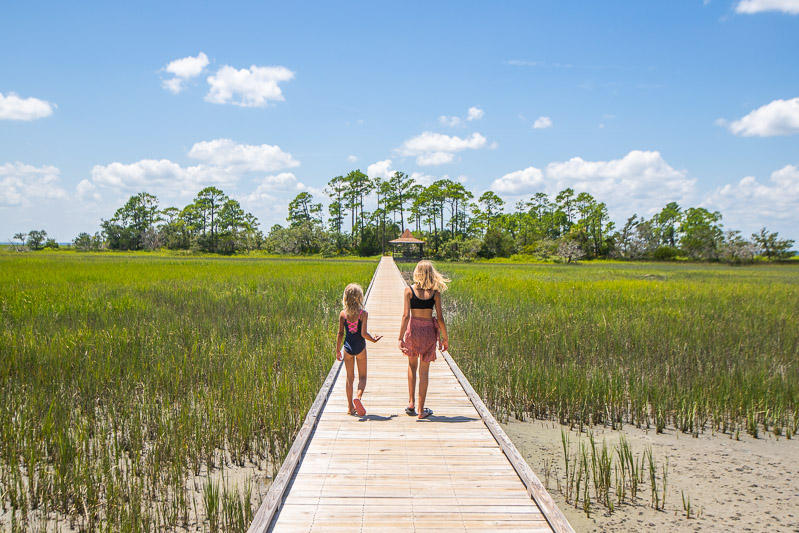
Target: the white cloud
(449, 121)
(271, 188)
(352, 158)
(381, 169)
(255, 87)
(435, 148)
(21, 185)
(224, 162)
(160, 177)
(459, 179)
(422, 178)
(86, 190)
(749, 205)
(779, 117)
(242, 157)
(174, 85)
(261, 198)
(285, 182)
(525, 181)
(641, 182)
(188, 67)
(542, 122)
(12, 107)
(434, 158)
(184, 69)
(475, 113)
(758, 6)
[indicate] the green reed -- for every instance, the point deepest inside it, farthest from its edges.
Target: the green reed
(614, 474)
(125, 377)
(695, 347)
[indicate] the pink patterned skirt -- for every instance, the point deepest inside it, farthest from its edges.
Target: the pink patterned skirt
(421, 338)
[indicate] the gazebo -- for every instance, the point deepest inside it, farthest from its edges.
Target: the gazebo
(405, 239)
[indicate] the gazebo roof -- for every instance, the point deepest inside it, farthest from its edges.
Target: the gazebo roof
(406, 237)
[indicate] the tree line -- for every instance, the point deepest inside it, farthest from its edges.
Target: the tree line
(213, 223)
(455, 225)
(567, 226)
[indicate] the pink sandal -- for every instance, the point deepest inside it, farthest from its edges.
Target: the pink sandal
(359, 408)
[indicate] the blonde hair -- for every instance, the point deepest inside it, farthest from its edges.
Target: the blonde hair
(352, 299)
(426, 277)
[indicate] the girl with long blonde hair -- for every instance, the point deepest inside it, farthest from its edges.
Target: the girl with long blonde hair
(352, 330)
(420, 331)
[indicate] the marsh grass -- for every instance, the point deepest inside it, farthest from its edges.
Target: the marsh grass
(127, 379)
(696, 347)
(601, 476)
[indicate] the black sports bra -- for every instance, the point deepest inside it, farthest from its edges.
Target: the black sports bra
(418, 303)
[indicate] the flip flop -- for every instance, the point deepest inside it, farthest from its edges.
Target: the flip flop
(425, 413)
(410, 411)
(359, 408)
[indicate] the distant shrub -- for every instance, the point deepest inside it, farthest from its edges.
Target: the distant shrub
(665, 253)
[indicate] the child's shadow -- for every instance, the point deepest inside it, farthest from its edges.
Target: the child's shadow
(376, 418)
(450, 419)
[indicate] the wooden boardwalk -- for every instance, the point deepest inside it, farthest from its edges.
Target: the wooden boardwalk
(387, 471)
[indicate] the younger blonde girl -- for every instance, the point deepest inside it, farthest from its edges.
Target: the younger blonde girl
(352, 330)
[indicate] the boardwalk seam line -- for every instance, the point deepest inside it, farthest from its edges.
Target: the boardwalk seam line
(262, 521)
(553, 515)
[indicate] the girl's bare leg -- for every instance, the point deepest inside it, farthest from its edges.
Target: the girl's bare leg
(424, 370)
(349, 364)
(361, 360)
(413, 362)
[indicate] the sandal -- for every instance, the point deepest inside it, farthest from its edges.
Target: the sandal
(410, 411)
(359, 408)
(425, 413)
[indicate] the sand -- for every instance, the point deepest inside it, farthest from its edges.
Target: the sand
(734, 485)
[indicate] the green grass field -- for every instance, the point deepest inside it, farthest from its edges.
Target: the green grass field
(698, 347)
(124, 375)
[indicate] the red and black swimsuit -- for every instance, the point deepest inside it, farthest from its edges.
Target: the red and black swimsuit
(354, 343)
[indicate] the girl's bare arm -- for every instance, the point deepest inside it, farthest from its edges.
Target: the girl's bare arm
(441, 325)
(406, 315)
(365, 332)
(339, 336)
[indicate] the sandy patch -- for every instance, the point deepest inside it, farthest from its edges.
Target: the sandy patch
(745, 485)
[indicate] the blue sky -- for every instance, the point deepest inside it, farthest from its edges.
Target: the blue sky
(638, 103)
